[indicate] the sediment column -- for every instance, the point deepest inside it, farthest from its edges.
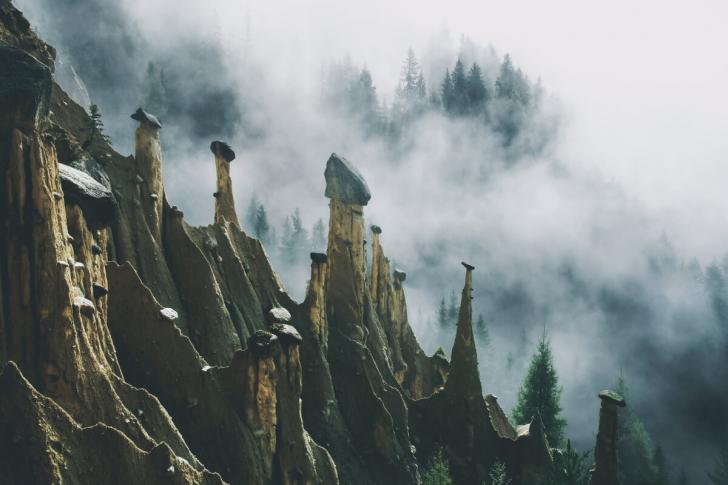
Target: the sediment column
(148, 156)
(224, 201)
(605, 467)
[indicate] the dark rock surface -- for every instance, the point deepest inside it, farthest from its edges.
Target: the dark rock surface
(344, 182)
(222, 149)
(147, 118)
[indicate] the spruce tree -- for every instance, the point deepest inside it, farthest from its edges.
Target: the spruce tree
(251, 217)
(459, 89)
(261, 225)
(498, 475)
(476, 91)
(446, 92)
(453, 309)
(318, 236)
(541, 394)
(96, 128)
(481, 328)
(719, 474)
(505, 85)
(640, 461)
(442, 317)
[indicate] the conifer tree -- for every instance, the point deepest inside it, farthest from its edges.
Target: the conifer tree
(452, 310)
(446, 92)
(251, 217)
(261, 225)
(318, 236)
(498, 475)
(459, 103)
(476, 91)
(481, 328)
(541, 394)
(97, 127)
(637, 455)
(719, 474)
(442, 316)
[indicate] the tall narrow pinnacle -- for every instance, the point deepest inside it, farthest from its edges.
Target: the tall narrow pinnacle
(464, 373)
(605, 469)
(148, 156)
(224, 201)
(348, 192)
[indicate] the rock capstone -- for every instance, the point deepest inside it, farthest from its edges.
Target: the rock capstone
(344, 182)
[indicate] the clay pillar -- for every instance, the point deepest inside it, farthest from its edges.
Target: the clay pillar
(148, 156)
(224, 202)
(605, 454)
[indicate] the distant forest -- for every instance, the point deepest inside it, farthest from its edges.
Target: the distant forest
(505, 101)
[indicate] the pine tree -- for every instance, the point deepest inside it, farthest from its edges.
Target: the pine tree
(97, 127)
(476, 91)
(286, 247)
(452, 310)
(251, 216)
(298, 240)
(506, 82)
(575, 466)
(421, 86)
(541, 394)
(442, 316)
(363, 101)
(481, 328)
(437, 471)
(261, 225)
(636, 450)
(459, 89)
(409, 88)
(498, 475)
(446, 92)
(318, 236)
(662, 474)
(719, 474)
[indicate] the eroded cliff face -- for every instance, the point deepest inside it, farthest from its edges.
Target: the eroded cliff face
(133, 341)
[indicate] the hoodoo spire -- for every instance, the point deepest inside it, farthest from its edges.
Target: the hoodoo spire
(348, 192)
(148, 156)
(605, 454)
(224, 201)
(464, 362)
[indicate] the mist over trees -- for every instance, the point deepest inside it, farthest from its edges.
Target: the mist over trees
(558, 246)
(505, 101)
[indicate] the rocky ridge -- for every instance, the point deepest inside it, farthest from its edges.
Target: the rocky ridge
(131, 341)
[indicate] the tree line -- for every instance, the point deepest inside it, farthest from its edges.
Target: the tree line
(464, 91)
(293, 243)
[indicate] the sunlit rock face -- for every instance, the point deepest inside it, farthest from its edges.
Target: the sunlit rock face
(54, 300)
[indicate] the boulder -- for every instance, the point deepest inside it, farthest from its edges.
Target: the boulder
(96, 201)
(344, 182)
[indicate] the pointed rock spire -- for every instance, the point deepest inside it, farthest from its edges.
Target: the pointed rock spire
(224, 201)
(464, 373)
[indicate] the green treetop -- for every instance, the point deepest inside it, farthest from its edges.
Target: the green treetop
(541, 393)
